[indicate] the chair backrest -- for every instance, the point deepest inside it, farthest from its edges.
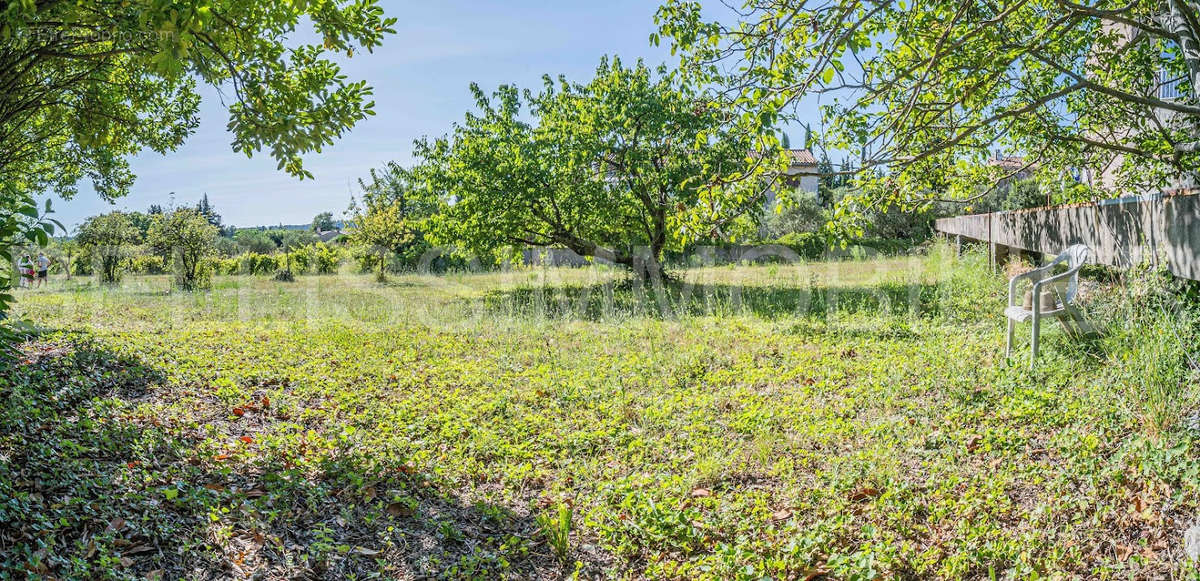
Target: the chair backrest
(1075, 257)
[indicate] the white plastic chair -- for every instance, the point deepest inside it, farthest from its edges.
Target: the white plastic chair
(1075, 257)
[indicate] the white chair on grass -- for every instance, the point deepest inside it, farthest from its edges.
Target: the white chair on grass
(1053, 295)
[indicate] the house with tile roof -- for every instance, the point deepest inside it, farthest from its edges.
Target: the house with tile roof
(800, 175)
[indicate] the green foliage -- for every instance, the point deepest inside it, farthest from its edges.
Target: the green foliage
(808, 245)
(147, 264)
(188, 238)
(922, 92)
(108, 239)
(797, 212)
(392, 216)
(204, 208)
(323, 222)
(253, 263)
(286, 96)
(856, 213)
(256, 241)
(555, 526)
(88, 85)
(321, 258)
(632, 159)
(1024, 194)
(21, 219)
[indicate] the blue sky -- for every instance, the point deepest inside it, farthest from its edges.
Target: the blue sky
(420, 76)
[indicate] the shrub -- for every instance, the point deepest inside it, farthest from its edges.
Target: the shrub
(799, 212)
(147, 264)
(809, 245)
(325, 259)
(258, 264)
(189, 239)
(107, 239)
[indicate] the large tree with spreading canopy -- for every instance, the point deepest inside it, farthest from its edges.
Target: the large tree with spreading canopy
(924, 90)
(624, 167)
(86, 85)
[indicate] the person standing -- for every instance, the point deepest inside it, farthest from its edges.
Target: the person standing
(25, 266)
(43, 268)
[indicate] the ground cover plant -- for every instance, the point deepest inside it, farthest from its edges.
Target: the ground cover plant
(851, 419)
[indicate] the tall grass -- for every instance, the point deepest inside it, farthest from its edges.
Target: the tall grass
(1151, 337)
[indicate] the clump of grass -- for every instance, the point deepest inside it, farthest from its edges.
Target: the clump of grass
(1151, 341)
(555, 525)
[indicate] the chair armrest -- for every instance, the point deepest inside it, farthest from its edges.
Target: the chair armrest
(1037, 285)
(1058, 277)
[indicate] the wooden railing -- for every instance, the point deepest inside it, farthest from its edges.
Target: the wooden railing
(1121, 232)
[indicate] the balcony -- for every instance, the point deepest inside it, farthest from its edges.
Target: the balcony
(1173, 89)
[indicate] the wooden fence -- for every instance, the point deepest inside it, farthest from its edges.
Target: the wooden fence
(1121, 232)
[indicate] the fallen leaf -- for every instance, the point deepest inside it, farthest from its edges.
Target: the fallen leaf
(701, 493)
(246, 439)
(1139, 505)
(239, 412)
(115, 525)
(815, 573)
(781, 515)
(366, 552)
(139, 549)
(1124, 552)
(154, 575)
(133, 464)
(126, 562)
(399, 509)
(266, 402)
(220, 457)
(864, 493)
(255, 492)
(973, 442)
(216, 487)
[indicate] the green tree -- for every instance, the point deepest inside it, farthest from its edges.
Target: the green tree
(826, 176)
(142, 222)
(187, 237)
(927, 89)
(108, 239)
(381, 225)
(254, 241)
(206, 209)
(20, 220)
(622, 168)
(323, 222)
(89, 84)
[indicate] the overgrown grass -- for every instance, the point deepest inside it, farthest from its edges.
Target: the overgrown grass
(853, 419)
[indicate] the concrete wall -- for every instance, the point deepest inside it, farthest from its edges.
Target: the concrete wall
(1120, 232)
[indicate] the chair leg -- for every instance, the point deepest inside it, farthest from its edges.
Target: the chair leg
(1037, 327)
(1067, 325)
(1085, 327)
(1012, 326)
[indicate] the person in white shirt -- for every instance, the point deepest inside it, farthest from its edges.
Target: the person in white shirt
(43, 268)
(25, 270)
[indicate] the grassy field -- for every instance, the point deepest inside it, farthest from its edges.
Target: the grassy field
(855, 420)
